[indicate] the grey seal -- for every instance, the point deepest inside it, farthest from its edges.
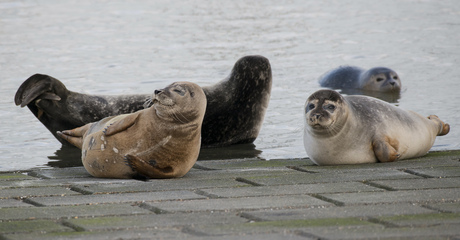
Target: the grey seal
(379, 79)
(361, 129)
(234, 114)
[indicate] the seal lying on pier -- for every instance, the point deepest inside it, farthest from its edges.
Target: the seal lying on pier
(234, 115)
(360, 129)
(379, 79)
(162, 141)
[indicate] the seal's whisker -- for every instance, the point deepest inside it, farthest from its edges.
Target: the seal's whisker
(148, 102)
(184, 117)
(174, 115)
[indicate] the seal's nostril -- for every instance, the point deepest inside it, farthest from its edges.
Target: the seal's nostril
(157, 91)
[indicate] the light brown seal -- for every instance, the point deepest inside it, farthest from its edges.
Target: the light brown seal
(361, 129)
(162, 141)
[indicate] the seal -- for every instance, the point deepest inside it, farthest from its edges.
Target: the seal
(361, 129)
(162, 141)
(234, 115)
(378, 79)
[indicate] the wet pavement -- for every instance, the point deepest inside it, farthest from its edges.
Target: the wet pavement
(240, 198)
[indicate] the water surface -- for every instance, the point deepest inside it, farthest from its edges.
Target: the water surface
(118, 47)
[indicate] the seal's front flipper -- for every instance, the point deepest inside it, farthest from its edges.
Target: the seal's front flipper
(121, 125)
(385, 149)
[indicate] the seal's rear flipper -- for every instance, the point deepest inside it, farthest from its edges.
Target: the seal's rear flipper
(444, 127)
(46, 98)
(74, 140)
(38, 86)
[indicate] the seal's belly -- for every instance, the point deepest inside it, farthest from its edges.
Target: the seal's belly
(331, 152)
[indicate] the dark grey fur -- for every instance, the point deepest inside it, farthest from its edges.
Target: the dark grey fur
(234, 114)
(379, 79)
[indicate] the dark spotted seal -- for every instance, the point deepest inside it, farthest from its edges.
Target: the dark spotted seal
(162, 141)
(234, 115)
(361, 129)
(378, 79)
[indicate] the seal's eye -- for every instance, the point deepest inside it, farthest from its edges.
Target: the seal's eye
(395, 77)
(379, 79)
(329, 107)
(310, 107)
(180, 92)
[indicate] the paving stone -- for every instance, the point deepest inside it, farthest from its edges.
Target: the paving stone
(155, 221)
(157, 233)
(250, 164)
(285, 235)
(233, 204)
(32, 226)
(423, 183)
(71, 172)
(439, 172)
(35, 192)
(342, 176)
(289, 189)
(418, 196)
(163, 234)
(422, 220)
(237, 173)
(433, 159)
(8, 203)
(25, 213)
(114, 198)
(337, 212)
(446, 207)
(379, 232)
(157, 185)
(280, 226)
(12, 176)
(57, 182)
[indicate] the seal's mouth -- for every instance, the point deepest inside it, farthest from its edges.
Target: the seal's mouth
(321, 125)
(162, 99)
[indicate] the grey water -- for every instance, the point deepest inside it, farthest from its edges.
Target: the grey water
(124, 47)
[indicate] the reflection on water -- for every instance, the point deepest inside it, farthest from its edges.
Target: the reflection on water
(230, 152)
(66, 156)
(69, 156)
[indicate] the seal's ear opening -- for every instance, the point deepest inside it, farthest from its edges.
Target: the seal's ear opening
(192, 94)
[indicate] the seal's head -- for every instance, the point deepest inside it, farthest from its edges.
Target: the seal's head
(324, 111)
(181, 102)
(380, 79)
